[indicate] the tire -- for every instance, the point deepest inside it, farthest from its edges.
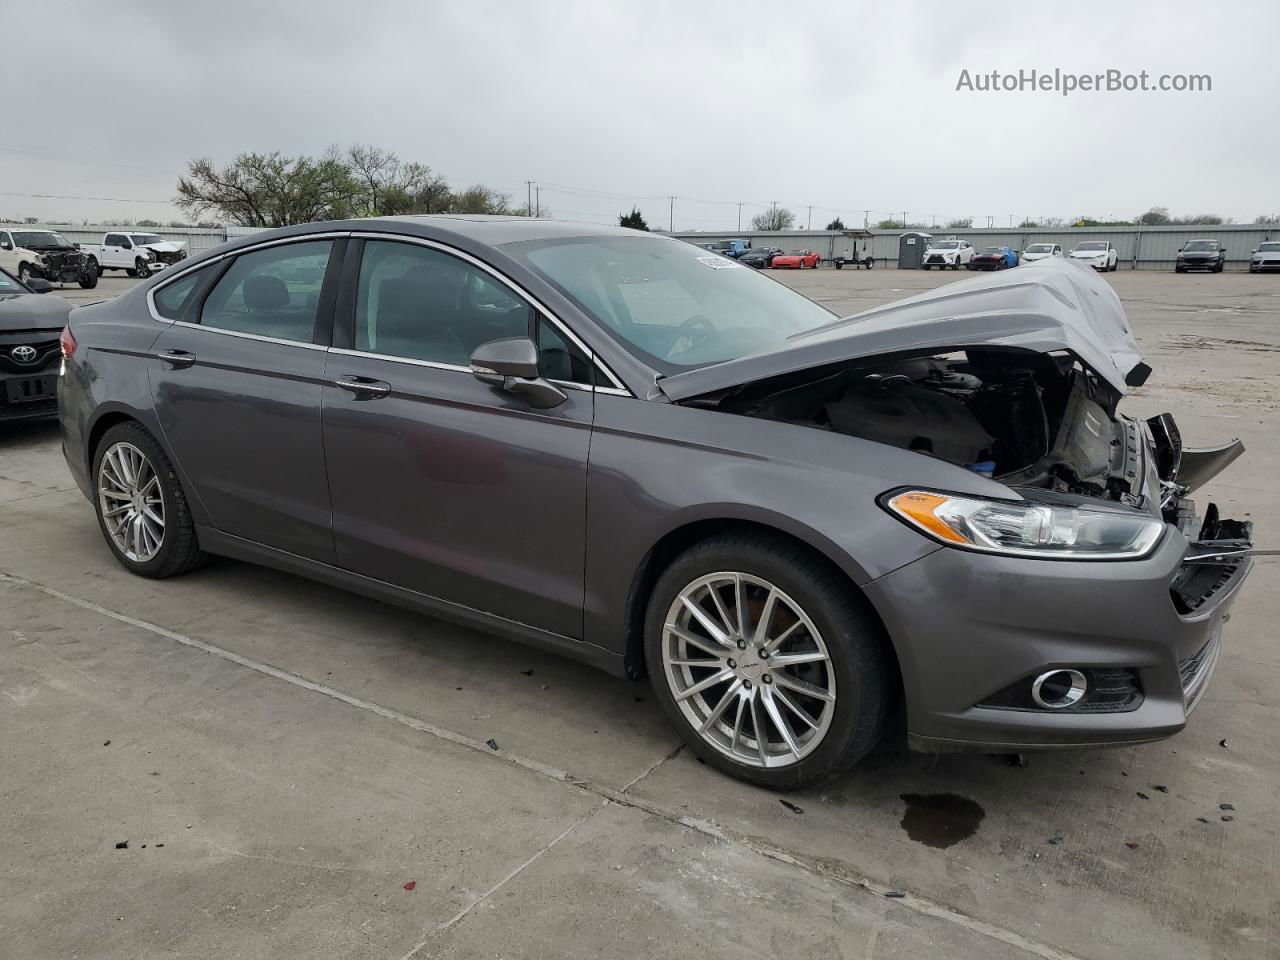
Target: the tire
(141, 269)
(924, 266)
(855, 666)
(178, 551)
(839, 264)
(24, 272)
(130, 272)
(94, 267)
(1218, 267)
(89, 280)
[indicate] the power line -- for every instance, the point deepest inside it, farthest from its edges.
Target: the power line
(61, 196)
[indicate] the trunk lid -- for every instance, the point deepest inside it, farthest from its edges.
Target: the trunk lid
(1046, 307)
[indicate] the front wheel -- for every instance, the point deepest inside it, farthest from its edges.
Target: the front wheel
(89, 280)
(141, 507)
(141, 269)
(766, 660)
(24, 272)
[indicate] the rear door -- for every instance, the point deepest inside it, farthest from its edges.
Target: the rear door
(237, 386)
(440, 483)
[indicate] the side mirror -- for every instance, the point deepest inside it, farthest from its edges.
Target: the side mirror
(512, 365)
(39, 285)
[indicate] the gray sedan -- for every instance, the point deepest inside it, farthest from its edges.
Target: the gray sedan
(629, 450)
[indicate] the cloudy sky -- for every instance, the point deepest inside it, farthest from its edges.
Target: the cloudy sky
(609, 104)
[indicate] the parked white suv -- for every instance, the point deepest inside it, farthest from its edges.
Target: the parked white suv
(138, 254)
(1040, 251)
(1099, 254)
(947, 253)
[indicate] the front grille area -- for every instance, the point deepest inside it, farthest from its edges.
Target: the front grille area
(46, 353)
(168, 256)
(22, 411)
(1111, 690)
(1194, 670)
(1197, 583)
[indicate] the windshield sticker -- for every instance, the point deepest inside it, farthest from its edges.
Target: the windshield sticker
(718, 263)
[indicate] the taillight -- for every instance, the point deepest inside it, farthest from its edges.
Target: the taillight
(68, 342)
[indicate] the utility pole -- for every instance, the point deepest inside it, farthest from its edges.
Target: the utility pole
(1011, 221)
(904, 219)
(671, 215)
(528, 203)
(739, 216)
(537, 193)
(866, 219)
(809, 223)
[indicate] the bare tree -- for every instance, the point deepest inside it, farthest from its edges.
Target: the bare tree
(775, 218)
(269, 189)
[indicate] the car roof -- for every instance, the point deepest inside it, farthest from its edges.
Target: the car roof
(508, 229)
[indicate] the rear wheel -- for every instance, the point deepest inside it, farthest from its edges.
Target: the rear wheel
(140, 504)
(766, 660)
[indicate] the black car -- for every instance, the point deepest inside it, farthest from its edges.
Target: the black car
(1200, 255)
(760, 257)
(30, 325)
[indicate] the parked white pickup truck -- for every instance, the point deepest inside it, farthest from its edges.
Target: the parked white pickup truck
(138, 254)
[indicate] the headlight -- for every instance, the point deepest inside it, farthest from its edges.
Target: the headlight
(1025, 528)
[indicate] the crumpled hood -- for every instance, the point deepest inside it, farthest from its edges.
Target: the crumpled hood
(32, 311)
(165, 246)
(1046, 306)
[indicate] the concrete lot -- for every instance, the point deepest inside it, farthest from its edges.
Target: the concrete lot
(283, 759)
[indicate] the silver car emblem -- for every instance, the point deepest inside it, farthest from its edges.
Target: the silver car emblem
(23, 354)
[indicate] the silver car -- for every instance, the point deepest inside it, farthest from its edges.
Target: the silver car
(635, 452)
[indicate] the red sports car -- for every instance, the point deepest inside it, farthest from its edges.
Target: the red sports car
(799, 259)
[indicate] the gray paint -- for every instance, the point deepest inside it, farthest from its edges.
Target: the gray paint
(451, 497)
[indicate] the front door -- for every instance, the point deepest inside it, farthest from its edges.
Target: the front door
(440, 483)
(237, 386)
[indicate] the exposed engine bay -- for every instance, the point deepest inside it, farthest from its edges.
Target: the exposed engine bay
(1027, 419)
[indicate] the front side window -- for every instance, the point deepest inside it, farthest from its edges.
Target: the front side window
(420, 303)
(9, 284)
(273, 292)
(673, 305)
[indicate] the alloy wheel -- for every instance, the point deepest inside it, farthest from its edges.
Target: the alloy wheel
(131, 502)
(748, 669)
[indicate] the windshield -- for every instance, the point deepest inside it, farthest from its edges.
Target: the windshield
(720, 245)
(1091, 247)
(669, 303)
(998, 250)
(142, 239)
(41, 240)
(945, 245)
(1040, 248)
(1201, 245)
(1269, 247)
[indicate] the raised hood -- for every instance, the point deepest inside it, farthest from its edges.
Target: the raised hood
(1047, 306)
(166, 246)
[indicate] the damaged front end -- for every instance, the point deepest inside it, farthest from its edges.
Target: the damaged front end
(1019, 379)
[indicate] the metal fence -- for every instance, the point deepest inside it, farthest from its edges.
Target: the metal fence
(1138, 248)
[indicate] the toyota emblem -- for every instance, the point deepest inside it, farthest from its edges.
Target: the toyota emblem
(23, 354)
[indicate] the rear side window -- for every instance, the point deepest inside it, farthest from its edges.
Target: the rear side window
(559, 358)
(271, 293)
(171, 299)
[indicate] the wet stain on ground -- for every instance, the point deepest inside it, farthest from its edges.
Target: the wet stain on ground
(940, 819)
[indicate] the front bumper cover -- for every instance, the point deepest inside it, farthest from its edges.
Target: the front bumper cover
(966, 626)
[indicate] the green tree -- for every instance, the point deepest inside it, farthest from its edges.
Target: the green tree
(479, 199)
(633, 220)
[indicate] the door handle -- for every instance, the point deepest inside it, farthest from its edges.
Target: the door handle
(364, 388)
(178, 359)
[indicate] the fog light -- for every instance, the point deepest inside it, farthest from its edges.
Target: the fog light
(1058, 688)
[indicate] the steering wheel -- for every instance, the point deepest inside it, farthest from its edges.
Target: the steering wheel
(687, 329)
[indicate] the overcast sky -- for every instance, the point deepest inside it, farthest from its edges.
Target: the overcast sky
(608, 104)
